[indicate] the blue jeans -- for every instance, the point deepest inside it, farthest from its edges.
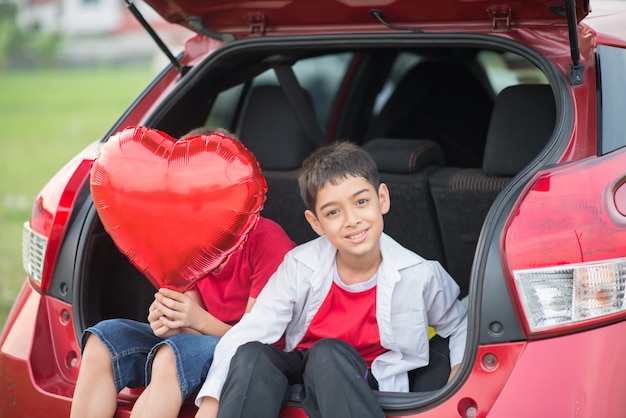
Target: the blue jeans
(133, 345)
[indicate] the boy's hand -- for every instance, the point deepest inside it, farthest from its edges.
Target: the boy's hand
(173, 310)
(158, 328)
(453, 371)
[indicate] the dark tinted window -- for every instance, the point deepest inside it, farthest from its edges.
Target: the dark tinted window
(320, 76)
(611, 98)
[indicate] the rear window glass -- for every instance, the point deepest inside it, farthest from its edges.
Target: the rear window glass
(505, 69)
(320, 76)
(502, 69)
(611, 99)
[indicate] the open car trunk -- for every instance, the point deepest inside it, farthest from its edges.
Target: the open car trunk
(453, 140)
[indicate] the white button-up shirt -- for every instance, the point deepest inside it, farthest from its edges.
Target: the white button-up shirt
(412, 294)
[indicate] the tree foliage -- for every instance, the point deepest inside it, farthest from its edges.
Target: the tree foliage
(21, 47)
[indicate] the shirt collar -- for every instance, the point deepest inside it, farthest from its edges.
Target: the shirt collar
(319, 254)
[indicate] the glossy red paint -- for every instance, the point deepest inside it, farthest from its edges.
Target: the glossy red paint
(573, 200)
(578, 375)
(338, 15)
(64, 207)
(55, 370)
(20, 392)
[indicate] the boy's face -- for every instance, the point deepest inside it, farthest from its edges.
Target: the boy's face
(350, 213)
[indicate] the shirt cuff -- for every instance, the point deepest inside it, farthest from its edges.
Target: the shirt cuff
(211, 388)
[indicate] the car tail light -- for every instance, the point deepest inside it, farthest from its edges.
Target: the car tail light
(43, 234)
(565, 247)
(562, 295)
(33, 251)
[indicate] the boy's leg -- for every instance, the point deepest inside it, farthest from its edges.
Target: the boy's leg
(337, 382)
(175, 369)
(114, 356)
(257, 381)
(162, 397)
(95, 372)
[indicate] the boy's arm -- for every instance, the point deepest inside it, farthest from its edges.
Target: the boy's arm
(251, 302)
(266, 323)
(447, 314)
(458, 335)
(453, 371)
(208, 408)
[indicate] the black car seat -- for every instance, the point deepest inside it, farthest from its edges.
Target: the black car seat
(443, 101)
(270, 129)
(405, 165)
(523, 120)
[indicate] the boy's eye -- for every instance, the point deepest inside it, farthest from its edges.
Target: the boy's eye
(332, 212)
(361, 202)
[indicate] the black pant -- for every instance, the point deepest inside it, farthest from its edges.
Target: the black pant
(435, 375)
(336, 381)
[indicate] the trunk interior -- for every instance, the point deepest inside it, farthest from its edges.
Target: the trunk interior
(448, 124)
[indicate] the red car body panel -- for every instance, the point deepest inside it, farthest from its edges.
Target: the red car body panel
(21, 367)
(578, 375)
(281, 17)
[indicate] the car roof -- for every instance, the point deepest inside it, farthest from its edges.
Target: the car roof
(244, 17)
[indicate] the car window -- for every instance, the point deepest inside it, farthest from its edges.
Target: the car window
(403, 63)
(223, 111)
(611, 98)
(323, 84)
(505, 69)
(313, 74)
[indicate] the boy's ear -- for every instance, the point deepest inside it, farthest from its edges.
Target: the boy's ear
(383, 198)
(314, 222)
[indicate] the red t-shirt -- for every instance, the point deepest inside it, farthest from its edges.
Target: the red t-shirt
(350, 317)
(226, 293)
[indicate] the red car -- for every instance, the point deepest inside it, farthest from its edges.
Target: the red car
(500, 129)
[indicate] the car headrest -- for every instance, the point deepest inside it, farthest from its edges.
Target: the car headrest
(271, 130)
(522, 121)
(403, 156)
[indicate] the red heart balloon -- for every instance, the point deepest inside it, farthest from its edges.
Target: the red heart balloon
(176, 208)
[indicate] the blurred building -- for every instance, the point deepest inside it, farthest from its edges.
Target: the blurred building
(99, 31)
(81, 17)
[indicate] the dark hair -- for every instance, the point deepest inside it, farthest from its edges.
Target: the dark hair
(207, 130)
(331, 164)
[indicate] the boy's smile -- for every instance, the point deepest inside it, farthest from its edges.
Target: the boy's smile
(350, 213)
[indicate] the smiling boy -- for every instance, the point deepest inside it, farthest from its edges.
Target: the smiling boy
(354, 307)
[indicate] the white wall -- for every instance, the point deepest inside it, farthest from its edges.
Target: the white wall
(46, 16)
(79, 17)
(84, 17)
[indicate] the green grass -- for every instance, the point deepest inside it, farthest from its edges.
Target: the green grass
(47, 117)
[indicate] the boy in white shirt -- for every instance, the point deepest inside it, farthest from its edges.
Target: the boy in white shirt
(354, 307)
